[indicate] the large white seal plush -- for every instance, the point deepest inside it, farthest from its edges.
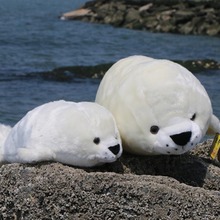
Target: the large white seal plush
(159, 106)
(81, 134)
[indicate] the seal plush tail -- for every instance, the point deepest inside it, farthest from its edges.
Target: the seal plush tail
(4, 131)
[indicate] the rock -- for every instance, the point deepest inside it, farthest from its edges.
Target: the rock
(160, 187)
(111, 13)
(183, 16)
(188, 27)
(132, 19)
(213, 30)
(200, 65)
(76, 14)
(145, 7)
(175, 16)
(67, 74)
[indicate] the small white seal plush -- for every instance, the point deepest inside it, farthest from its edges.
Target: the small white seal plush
(159, 106)
(80, 134)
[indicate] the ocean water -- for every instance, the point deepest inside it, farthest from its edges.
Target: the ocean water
(34, 39)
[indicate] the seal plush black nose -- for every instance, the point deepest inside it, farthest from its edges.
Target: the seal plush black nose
(115, 149)
(182, 138)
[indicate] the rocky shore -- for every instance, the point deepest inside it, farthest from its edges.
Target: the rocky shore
(199, 17)
(158, 187)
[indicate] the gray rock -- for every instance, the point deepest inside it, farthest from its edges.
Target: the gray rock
(160, 187)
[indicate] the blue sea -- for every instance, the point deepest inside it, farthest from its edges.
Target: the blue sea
(34, 39)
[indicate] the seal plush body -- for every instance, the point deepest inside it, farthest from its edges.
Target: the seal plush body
(159, 106)
(80, 134)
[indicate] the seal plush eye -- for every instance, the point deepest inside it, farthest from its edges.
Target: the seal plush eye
(96, 140)
(193, 117)
(154, 129)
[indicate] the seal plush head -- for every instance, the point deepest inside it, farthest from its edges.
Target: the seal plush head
(81, 134)
(159, 106)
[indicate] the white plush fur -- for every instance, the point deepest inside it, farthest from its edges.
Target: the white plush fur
(65, 132)
(142, 92)
(4, 131)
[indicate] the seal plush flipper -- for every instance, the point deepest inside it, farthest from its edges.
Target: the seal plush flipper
(214, 126)
(31, 155)
(4, 131)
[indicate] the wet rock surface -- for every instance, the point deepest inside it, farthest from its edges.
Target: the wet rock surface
(159, 187)
(185, 17)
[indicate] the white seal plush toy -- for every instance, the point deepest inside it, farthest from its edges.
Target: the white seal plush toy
(159, 106)
(80, 134)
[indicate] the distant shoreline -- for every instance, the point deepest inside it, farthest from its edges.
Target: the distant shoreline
(198, 17)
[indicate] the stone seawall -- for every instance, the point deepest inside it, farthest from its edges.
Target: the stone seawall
(200, 17)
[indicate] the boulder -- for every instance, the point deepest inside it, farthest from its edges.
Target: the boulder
(135, 187)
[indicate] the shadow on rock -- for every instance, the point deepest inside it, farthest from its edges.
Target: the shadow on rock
(187, 169)
(194, 168)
